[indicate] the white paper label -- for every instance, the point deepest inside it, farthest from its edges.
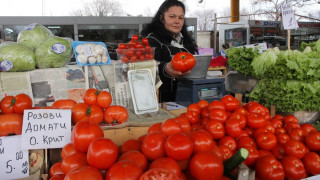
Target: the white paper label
(46, 128)
(288, 18)
(14, 162)
(58, 48)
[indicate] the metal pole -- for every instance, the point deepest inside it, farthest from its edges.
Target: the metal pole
(215, 50)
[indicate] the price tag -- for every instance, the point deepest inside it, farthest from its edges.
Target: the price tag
(14, 162)
(288, 18)
(46, 128)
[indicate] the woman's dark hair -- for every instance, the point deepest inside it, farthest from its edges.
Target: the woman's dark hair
(157, 27)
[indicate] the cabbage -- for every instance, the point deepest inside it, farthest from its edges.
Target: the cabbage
(54, 52)
(20, 57)
(33, 35)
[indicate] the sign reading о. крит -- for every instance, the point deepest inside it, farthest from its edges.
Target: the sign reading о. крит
(46, 128)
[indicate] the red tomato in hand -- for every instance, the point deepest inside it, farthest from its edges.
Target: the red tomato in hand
(206, 165)
(268, 167)
(84, 172)
(15, 104)
(115, 115)
(10, 124)
(178, 146)
(183, 61)
(102, 153)
(84, 133)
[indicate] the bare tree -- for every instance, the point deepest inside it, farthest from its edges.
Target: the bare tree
(271, 9)
(204, 19)
(100, 8)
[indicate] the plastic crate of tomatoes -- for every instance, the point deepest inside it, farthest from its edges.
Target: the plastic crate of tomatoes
(135, 50)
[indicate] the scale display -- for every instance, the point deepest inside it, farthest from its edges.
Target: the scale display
(208, 93)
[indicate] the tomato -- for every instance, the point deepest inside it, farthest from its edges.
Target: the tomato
(308, 128)
(159, 174)
(85, 112)
(194, 107)
(130, 145)
(155, 127)
(241, 110)
(74, 160)
(202, 140)
(153, 145)
(265, 128)
(84, 133)
(266, 141)
(192, 117)
(226, 152)
(57, 177)
(246, 141)
(230, 142)
(231, 102)
(268, 167)
(264, 152)
(64, 103)
(10, 124)
(282, 138)
(145, 41)
(295, 148)
(134, 37)
(218, 114)
(96, 97)
(311, 162)
(55, 169)
(84, 172)
(133, 58)
(102, 153)
(15, 104)
(252, 157)
(291, 125)
(184, 123)
(67, 150)
(216, 104)
(121, 46)
(297, 134)
(166, 163)
(255, 120)
(255, 107)
(277, 123)
(115, 115)
(279, 131)
(241, 118)
(313, 141)
(137, 157)
(293, 167)
(178, 146)
(290, 118)
(183, 61)
(206, 165)
(125, 169)
(278, 151)
(124, 59)
(232, 127)
(170, 126)
(203, 104)
(217, 151)
(215, 128)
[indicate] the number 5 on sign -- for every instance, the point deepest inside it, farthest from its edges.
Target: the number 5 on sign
(14, 163)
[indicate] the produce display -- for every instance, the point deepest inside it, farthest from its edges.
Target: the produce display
(135, 50)
(287, 79)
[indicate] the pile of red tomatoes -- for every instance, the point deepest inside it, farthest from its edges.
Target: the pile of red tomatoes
(195, 144)
(135, 50)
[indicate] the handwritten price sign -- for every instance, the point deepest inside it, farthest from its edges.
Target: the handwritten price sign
(45, 129)
(14, 162)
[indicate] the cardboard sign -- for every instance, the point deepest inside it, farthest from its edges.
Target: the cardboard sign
(14, 162)
(288, 18)
(46, 128)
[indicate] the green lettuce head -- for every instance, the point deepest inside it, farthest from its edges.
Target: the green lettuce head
(15, 57)
(33, 35)
(54, 52)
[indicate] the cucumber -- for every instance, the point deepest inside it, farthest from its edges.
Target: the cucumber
(234, 161)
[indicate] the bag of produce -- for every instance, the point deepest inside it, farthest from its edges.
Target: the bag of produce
(33, 35)
(16, 57)
(54, 52)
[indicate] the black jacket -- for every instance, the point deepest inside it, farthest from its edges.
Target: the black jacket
(163, 52)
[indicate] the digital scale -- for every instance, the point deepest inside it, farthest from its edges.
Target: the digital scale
(193, 90)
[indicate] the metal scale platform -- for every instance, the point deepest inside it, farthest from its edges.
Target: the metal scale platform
(193, 90)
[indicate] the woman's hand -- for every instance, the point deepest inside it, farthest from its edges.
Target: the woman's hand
(176, 74)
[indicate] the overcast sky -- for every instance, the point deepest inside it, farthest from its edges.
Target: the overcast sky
(64, 7)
